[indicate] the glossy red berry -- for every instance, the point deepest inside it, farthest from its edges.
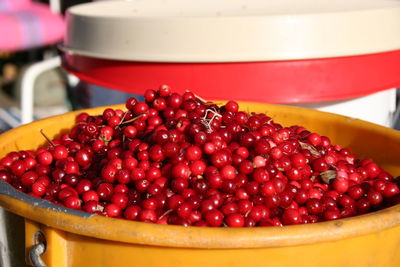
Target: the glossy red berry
(235, 220)
(214, 218)
(112, 210)
(178, 159)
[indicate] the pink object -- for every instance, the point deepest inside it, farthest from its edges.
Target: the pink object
(24, 25)
(14, 5)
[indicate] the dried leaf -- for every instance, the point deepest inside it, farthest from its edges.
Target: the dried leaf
(310, 148)
(100, 208)
(327, 176)
(333, 166)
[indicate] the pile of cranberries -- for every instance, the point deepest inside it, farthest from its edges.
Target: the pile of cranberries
(178, 159)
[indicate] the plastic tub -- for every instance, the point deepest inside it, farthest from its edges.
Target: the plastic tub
(78, 239)
(378, 107)
(338, 56)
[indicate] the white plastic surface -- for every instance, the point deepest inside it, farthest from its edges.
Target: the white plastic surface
(232, 30)
(28, 82)
(376, 108)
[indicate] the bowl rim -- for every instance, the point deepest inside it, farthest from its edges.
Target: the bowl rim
(94, 226)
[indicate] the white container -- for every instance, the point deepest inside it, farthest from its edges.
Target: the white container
(377, 108)
(193, 31)
(232, 30)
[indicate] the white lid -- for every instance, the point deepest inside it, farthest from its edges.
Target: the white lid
(232, 30)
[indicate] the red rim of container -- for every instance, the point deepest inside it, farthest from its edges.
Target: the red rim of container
(295, 81)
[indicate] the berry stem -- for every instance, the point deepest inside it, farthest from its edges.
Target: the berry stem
(133, 119)
(47, 138)
(123, 118)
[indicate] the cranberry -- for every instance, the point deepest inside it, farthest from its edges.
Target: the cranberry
(90, 195)
(346, 201)
(331, 214)
(320, 165)
(67, 192)
(390, 190)
(164, 90)
(120, 199)
(193, 153)
(5, 176)
(72, 202)
(340, 185)
(298, 160)
(374, 198)
(214, 218)
(177, 159)
(314, 139)
(181, 170)
(260, 175)
(362, 206)
(132, 212)
(221, 158)
(174, 101)
(356, 192)
(314, 206)
(372, 169)
(18, 167)
(232, 106)
(184, 211)
(112, 210)
(258, 213)
(108, 173)
(60, 152)
(294, 174)
(105, 191)
(29, 178)
(235, 220)
(45, 158)
(38, 188)
(291, 216)
(147, 215)
(197, 167)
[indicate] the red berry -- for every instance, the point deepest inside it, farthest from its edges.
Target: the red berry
(38, 188)
(112, 210)
(235, 220)
(59, 152)
(90, 196)
(120, 199)
(340, 185)
(45, 158)
(147, 215)
(390, 190)
(291, 216)
(72, 202)
(18, 167)
(320, 165)
(221, 158)
(214, 217)
(181, 170)
(132, 212)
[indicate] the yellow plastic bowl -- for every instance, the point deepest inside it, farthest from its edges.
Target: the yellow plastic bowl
(77, 240)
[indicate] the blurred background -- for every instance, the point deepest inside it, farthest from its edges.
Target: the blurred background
(31, 32)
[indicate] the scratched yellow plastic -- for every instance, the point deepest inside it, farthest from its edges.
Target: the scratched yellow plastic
(371, 240)
(371, 250)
